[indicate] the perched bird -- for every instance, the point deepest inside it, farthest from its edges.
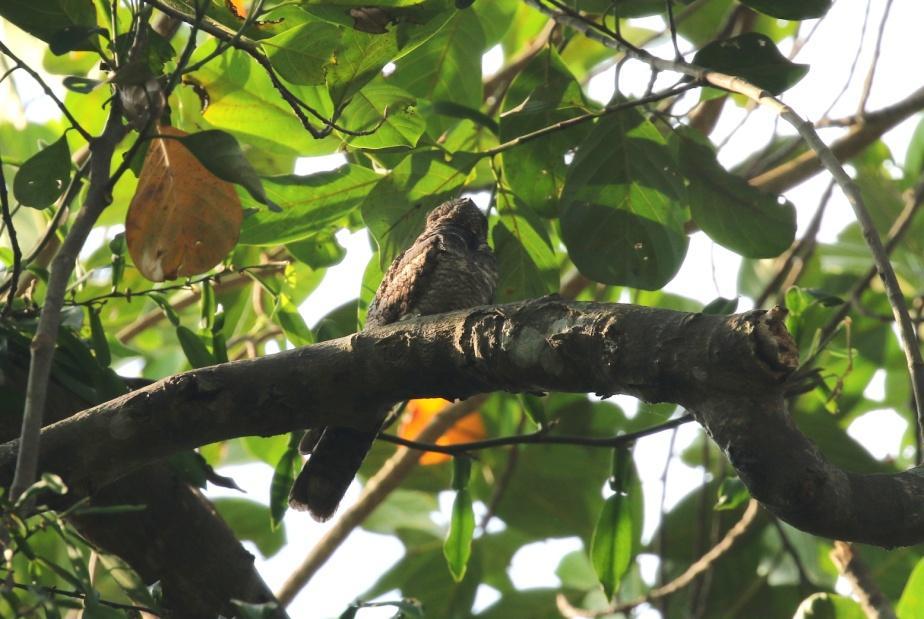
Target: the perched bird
(448, 267)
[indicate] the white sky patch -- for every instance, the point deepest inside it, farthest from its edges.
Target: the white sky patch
(709, 271)
(880, 432)
(484, 597)
(321, 163)
(533, 565)
(875, 390)
(492, 61)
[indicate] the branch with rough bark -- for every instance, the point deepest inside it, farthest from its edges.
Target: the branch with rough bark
(729, 371)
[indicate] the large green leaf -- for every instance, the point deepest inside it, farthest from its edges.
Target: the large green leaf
(754, 57)
(389, 111)
(251, 521)
(309, 204)
(397, 206)
(734, 214)
(448, 66)
(617, 535)
(44, 176)
(543, 94)
(620, 214)
(525, 260)
(303, 54)
(47, 19)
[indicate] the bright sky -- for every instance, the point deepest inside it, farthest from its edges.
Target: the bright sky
(708, 271)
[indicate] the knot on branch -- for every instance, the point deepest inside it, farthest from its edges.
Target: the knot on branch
(774, 348)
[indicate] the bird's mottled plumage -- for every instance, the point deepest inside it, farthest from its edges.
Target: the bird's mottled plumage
(448, 267)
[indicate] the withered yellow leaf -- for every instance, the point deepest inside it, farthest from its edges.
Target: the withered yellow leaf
(182, 220)
(418, 414)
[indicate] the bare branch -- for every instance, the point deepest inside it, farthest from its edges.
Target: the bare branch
(46, 334)
(875, 605)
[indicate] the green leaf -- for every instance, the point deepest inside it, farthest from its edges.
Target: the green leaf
(534, 407)
(397, 206)
(721, 306)
(71, 38)
(620, 215)
(49, 482)
(197, 353)
(98, 338)
(461, 472)
(732, 494)
(403, 511)
(47, 18)
(526, 262)
(221, 155)
(543, 94)
(448, 66)
(303, 54)
(828, 606)
(914, 159)
(458, 546)
(81, 85)
(250, 521)
(319, 250)
(612, 546)
(454, 110)
(734, 214)
(790, 9)
(164, 304)
(283, 477)
(44, 176)
(911, 604)
(286, 314)
(388, 110)
(309, 204)
(754, 57)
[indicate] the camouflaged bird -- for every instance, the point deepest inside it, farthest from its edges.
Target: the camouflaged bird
(450, 266)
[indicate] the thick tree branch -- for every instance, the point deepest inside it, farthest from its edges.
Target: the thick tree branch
(727, 370)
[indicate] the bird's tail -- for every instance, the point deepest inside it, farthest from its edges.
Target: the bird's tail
(334, 461)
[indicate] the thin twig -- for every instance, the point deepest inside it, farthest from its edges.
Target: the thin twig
(46, 334)
(14, 242)
(47, 90)
(570, 122)
(874, 604)
(853, 64)
(868, 82)
(538, 437)
(79, 595)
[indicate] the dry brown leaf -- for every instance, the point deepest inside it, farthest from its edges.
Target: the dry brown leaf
(182, 220)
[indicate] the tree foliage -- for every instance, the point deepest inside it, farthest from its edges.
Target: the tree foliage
(205, 244)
